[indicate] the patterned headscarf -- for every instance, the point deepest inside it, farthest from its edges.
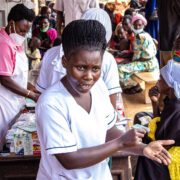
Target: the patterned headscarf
(171, 74)
(176, 55)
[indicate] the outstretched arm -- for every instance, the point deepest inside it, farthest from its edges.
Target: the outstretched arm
(86, 157)
(153, 150)
(154, 96)
(129, 142)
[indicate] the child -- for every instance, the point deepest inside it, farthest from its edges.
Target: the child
(75, 118)
(33, 52)
(126, 23)
(121, 42)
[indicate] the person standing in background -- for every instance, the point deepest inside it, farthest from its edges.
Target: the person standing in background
(73, 10)
(45, 11)
(169, 27)
(51, 6)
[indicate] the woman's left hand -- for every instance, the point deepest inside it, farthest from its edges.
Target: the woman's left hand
(141, 60)
(157, 152)
(124, 62)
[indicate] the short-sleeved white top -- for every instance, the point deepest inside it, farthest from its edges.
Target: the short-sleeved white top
(74, 9)
(64, 126)
(52, 70)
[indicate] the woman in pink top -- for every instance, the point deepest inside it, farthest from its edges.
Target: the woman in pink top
(45, 33)
(14, 66)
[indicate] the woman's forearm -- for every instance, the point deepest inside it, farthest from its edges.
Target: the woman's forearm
(141, 59)
(124, 55)
(156, 110)
(86, 157)
(138, 150)
(115, 141)
(31, 57)
(10, 84)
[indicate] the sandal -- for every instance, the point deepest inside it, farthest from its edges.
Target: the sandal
(137, 88)
(133, 90)
(129, 91)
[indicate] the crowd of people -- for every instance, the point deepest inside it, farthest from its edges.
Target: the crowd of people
(77, 65)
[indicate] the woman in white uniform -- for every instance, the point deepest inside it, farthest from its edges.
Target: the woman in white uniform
(14, 66)
(52, 69)
(75, 118)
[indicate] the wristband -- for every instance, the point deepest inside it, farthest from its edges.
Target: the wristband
(28, 93)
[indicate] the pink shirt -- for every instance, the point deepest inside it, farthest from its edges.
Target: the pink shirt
(7, 54)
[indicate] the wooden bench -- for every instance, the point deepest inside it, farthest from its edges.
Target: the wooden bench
(146, 80)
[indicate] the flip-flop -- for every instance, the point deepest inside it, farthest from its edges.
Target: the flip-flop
(129, 91)
(137, 88)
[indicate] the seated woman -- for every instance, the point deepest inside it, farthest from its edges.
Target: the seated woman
(45, 33)
(165, 125)
(144, 56)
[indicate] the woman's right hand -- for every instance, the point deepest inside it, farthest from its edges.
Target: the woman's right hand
(154, 94)
(132, 137)
(34, 96)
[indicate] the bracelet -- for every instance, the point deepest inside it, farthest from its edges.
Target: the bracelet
(28, 93)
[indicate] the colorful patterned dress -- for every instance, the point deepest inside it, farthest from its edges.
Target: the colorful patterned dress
(143, 47)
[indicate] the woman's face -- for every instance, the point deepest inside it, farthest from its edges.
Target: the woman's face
(138, 24)
(44, 23)
(127, 25)
(20, 27)
(121, 34)
(47, 13)
(162, 86)
(143, 2)
(83, 70)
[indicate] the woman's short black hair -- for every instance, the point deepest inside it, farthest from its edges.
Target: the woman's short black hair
(83, 34)
(127, 17)
(57, 41)
(129, 11)
(44, 10)
(20, 12)
(135, 4)
(42, 17)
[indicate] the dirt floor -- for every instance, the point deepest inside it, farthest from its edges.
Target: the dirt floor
(134, 103)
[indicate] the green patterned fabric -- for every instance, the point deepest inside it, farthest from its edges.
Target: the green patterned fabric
(143, 47)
